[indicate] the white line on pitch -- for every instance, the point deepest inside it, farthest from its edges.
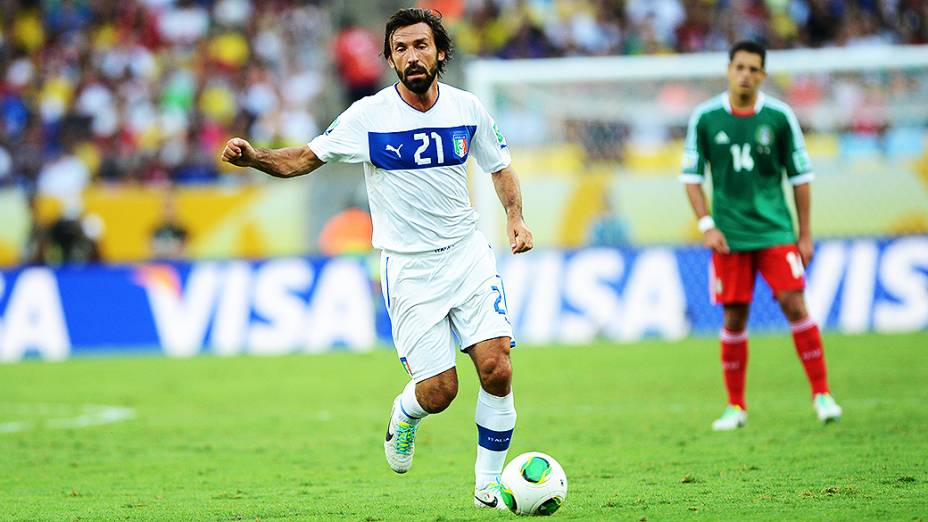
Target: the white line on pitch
(87, 415)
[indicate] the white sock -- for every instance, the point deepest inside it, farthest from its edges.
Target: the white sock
(496, 418)
(410, 411)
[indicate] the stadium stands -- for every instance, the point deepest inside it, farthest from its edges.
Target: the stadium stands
(145, 90)
(139, 95)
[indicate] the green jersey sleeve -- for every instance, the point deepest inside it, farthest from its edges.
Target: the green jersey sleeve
(694, 152)
(796, 157)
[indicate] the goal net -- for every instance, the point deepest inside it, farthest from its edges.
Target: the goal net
(600, 139)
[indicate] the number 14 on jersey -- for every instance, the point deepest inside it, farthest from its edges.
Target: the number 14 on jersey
(741, 158)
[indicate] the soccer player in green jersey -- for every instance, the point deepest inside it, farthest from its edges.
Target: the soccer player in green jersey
(749, 141)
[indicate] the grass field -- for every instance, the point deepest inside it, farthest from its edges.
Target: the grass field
(300, 437)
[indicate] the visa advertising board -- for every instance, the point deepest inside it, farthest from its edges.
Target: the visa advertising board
(294, 304)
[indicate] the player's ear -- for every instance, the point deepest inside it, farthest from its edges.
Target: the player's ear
(441, 56)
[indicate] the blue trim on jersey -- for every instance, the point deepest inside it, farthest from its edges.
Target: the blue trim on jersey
(505, 303)
(493, 440)
(386, 276)
(423, 148)
(501, 298)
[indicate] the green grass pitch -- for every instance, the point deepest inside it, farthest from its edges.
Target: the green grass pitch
(300, 437)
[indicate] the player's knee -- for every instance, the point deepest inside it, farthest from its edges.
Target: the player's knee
(444, 397)
(793, 306)
(736, 319)
(736, 324)
(439, 394)
(496, 375)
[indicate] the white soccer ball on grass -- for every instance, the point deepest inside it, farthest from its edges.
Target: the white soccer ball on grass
(534, 484)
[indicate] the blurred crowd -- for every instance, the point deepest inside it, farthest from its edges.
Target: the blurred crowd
(146, 91)
(546, 28)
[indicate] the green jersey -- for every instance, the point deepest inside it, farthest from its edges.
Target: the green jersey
(747, 157)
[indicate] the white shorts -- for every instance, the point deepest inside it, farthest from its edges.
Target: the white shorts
(439, 301)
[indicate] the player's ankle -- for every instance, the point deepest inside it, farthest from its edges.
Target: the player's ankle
(484, 480)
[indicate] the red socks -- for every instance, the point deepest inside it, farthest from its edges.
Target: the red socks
(809, 348)
(734, 364)
(808, 341)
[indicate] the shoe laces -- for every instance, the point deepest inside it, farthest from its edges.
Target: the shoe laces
(405, 437)
(493, 488)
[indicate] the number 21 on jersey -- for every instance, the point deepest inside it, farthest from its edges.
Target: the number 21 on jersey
(423, 139)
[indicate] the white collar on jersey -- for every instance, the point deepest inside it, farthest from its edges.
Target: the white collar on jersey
(758, 105)
(396, 87)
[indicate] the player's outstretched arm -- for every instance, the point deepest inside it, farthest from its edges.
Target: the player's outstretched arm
(714, 238)
(510, 195)
(280, 163)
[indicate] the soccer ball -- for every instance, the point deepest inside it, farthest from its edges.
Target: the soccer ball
(533, 484)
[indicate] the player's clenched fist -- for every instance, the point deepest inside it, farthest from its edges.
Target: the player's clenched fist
(238, 152)
(520, 237)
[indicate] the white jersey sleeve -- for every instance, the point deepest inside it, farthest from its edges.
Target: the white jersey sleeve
(490, 148)
(345, 141)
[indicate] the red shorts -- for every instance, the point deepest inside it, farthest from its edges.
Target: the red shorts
(731, 276)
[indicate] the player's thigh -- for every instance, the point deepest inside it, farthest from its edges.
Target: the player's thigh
(480, 309)
(419, 318)
(781, 266)
(425, 350)
(731, 278)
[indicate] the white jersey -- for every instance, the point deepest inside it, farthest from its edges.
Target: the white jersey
(415, 163)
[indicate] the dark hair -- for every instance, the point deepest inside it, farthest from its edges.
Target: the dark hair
(413, 16)
(749, 47)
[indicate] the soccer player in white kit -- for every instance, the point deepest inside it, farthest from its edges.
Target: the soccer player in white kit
(440, 281)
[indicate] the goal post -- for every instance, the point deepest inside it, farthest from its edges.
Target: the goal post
(593, 133)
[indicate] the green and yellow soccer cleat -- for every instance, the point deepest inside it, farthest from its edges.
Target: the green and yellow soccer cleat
(826, 408)
(732, 418)
(400, 442)
(491, 496)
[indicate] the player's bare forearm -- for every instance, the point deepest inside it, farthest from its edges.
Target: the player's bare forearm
(697, 199)
(506, 183)
(287, 163)
(281, 163)
(507, 188)
(803, 195)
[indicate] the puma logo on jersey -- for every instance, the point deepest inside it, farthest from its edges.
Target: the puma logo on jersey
(391, 148)
(721, 138)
